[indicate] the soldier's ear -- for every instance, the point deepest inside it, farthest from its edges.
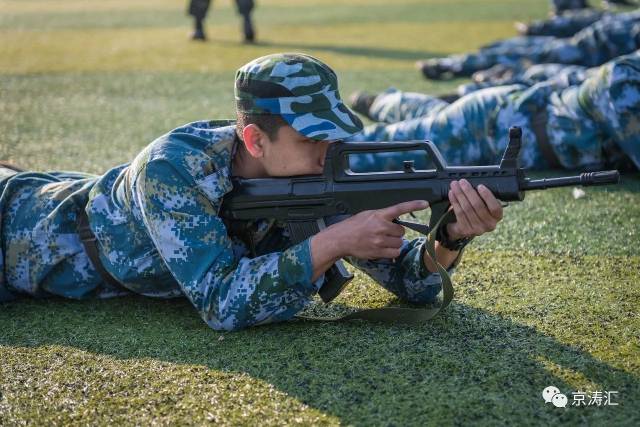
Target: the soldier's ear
(254, 140)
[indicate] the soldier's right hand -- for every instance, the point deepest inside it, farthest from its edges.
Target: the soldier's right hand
(372, 234)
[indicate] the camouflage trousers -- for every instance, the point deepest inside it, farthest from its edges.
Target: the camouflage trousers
(466, 132)
(586, 125)
(36, 260)
(608, 38)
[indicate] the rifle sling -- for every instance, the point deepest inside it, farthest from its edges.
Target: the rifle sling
(401, 314)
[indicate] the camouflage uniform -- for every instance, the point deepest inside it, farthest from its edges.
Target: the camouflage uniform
(608, 38)
(156, 220)
(587, 125)
(560, 6)
(565, 6)
(393, 106)
(564, 25)
(501, 75)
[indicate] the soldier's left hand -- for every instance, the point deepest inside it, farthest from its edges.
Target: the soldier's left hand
(477, 210)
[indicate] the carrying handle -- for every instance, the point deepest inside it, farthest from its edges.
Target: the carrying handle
(337, 158)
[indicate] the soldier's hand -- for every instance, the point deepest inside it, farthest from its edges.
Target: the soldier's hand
(372, 234)
(477, 210)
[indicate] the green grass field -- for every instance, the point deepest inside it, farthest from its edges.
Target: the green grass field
(551, 298)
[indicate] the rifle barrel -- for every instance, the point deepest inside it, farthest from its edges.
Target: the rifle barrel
(584, 179)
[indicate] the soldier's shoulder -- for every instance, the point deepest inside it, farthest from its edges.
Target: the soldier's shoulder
(208, 131)
(196, 149)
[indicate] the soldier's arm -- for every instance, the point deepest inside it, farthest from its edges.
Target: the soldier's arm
(229, 293)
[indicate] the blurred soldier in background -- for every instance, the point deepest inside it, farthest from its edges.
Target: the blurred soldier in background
(605, 39)
(524, 73)
(199, 8)
(564, 25)
(409, 105)
(499, 75)
(561, 6)
(589, 125)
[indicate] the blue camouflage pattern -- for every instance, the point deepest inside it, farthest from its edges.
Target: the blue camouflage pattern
(299, 88)
(528, 75)
(159, 234)
(393, 106)
(589, 125)
(560, 6)
(612, 36)
(565, 24)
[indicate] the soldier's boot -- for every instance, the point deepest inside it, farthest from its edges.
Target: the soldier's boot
(198, 32)
(361, 102)
(433, 70)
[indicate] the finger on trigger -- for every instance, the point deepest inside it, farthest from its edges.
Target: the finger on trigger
(400, 209)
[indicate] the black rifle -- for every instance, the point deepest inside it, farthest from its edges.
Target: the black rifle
(304, 201)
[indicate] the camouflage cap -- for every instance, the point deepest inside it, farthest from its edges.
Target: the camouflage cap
(301, 89)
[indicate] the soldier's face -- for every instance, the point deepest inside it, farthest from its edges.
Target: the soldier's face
(292, 153)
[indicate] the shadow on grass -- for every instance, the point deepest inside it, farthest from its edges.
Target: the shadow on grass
(365, 51)
(467, 365)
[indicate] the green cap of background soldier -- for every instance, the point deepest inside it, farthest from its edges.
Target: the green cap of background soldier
(301, 89)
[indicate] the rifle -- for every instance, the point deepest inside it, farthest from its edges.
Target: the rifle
(303, 202)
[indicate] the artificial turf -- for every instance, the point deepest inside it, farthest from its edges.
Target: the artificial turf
(551, 298)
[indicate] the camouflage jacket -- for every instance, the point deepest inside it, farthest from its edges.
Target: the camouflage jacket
(593, 124)
(159, 234)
